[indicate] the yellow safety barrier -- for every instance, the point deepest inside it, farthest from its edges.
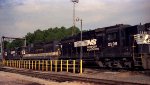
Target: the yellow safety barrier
(12, 64)
(6, 63)
(16, 64)
(55, 65)
(67, 65)
(35, 64)
(32, 65)
(47, 65)
(24, 64)
(19, 63)
(29, 64)
(42, 65)
(61, 65)
(74, 64)
(51, 66)
(39, 65)
(81, 66)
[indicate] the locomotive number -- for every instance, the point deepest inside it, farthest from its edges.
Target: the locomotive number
(112, 44)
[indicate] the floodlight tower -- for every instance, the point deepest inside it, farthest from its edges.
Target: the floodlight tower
(74, 3)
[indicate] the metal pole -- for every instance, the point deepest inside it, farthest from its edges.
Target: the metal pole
(25, 42)
(81, 42)
(81, 55)
(2, 48)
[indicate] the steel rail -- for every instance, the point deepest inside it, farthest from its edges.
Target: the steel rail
(63, 78)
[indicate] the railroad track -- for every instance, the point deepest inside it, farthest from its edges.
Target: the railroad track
(63, 78)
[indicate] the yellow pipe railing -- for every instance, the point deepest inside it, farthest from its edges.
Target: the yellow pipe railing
(32, 64)
(35, 65)
(47, 65)
(43, 65)
(19, 64)
(61, 65)
(51, 65)
(55, 65)
(74, 66)
(29, 64)
(67, 65)
(39, 65)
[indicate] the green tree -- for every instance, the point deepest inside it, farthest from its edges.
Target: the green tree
(38, 36)
(50, 34)
(16, 43)
(29, 38)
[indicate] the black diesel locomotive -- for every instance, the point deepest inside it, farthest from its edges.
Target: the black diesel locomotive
(121, 46)
(118, 46)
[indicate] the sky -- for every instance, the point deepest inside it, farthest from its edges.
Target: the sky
(18, 17)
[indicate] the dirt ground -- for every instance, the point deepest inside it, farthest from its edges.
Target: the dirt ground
(17, 79)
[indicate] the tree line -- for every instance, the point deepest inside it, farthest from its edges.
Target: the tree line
(47, 35)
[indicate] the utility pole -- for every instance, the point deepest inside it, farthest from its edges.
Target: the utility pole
(2, 53)
(81, 53)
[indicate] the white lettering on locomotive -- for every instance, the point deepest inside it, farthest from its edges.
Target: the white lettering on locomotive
(85, 43)
(91, 48)
(112, 44)
(42, 54)
(5, 53)
(91, 44)
(12, 52)
(142, 38)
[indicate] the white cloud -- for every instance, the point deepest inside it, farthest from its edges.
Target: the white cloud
(41, 14)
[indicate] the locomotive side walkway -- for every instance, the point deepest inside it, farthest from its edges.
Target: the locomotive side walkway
(134, 77)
